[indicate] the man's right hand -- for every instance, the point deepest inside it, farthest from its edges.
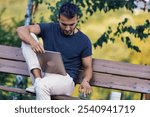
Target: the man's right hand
(36, 47)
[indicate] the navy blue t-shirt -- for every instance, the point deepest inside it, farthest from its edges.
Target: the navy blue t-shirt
(72, 48)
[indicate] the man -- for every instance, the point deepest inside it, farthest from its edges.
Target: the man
(64, 37)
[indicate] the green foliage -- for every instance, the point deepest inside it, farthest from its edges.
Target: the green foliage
(140, 31)
(8, 32)
(90, 6)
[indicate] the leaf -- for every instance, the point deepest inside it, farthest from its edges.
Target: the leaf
(112, 40)
(95, 45)
(136, 48)
(122, 39)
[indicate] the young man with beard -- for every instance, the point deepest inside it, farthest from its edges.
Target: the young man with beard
(64, 37)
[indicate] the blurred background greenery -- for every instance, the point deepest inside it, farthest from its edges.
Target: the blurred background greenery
(12, 14)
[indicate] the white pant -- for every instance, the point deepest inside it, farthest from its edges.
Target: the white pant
(50, 84)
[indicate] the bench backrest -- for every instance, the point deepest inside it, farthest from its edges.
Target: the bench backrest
(108, 74)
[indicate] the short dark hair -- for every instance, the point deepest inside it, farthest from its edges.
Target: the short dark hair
(69, 10)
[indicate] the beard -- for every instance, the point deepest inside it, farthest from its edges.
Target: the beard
(70, 32)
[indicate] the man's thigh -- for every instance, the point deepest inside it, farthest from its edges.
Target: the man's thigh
(59, 84)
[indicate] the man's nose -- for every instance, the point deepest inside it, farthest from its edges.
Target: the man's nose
(67, 28)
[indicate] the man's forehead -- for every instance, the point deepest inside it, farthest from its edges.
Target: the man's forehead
(64, 17)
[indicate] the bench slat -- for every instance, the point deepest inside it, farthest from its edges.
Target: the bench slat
(120, 68)
(15, 67)
(119, 82)
(15, 90)
(9, 52)
(23, 91)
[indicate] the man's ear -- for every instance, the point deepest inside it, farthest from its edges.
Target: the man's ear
(58, 18)
(78, 18)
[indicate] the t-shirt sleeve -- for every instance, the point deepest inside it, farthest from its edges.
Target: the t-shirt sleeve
(44, 27)
(87, 51)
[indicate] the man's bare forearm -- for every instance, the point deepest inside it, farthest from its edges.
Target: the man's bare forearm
(87, 74)
(24, 34)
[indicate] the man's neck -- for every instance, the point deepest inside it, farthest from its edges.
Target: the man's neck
(75, 30)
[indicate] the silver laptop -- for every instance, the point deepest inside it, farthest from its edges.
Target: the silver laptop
(51, 62)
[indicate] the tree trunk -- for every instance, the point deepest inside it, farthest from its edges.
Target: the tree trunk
(28, 18)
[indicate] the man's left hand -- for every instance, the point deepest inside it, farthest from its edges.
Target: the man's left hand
(85, 88)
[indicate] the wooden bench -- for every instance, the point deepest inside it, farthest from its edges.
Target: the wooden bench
(107, 74)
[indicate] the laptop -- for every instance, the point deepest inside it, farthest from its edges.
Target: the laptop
(51, 62)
